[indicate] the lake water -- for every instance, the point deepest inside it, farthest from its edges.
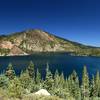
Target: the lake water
(62, 62)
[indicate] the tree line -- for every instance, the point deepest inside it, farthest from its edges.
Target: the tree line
(68, 88)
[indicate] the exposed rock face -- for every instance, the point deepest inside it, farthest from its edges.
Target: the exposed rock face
(16, 51)
(6, 45)
(43, 92)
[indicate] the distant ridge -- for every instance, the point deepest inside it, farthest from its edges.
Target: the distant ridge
(36, 40)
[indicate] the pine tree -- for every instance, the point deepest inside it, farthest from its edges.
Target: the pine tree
(49, 82)
(62, 90)
(38, 80)
(31, 70)
(62, 80)
(69, 83)
(56, 88)
(15, 88)
(60, 86)
(74, 84)
(85, 85)
(26, 81)
(56, 79)
(67, 95)
(10, 73)
(97, 82)
(93, 92)
(95, 86)
(38, 77)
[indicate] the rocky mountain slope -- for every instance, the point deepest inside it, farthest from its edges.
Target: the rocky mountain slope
(30, 41)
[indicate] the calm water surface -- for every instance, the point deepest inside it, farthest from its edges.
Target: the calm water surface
(57, 61)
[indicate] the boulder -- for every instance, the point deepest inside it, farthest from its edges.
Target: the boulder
(43, 92)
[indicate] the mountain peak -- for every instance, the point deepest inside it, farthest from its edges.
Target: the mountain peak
(34, 30)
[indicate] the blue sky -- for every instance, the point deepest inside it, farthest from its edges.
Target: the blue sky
(76, 20)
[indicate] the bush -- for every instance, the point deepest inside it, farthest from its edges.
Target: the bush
(4, 81)
(15, 88)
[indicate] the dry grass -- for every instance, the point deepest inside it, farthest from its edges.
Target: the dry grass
(37, 97)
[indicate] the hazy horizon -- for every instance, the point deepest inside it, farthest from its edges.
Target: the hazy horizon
(75, 20)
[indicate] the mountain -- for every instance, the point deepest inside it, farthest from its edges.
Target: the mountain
(30, 41)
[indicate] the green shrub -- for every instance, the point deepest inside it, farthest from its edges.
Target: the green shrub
(15, 88)
(4, 81)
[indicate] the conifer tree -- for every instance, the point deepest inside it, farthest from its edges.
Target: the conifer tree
(69, 83)
(62, 80)
(60, 85)
(85, 85)
(38, 77)
(26, 81)
(56, 88)
(49, 82)
(38, 80)
(74, 84)
(97, 83)
(15, 88)
(56, 79)
(10, 73)
(62, 90)
(93, 88)
(67, 95)
(31, 70)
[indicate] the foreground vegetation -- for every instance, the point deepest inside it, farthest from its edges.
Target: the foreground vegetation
(24, 86)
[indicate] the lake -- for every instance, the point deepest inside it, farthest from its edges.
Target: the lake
(62, 62)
